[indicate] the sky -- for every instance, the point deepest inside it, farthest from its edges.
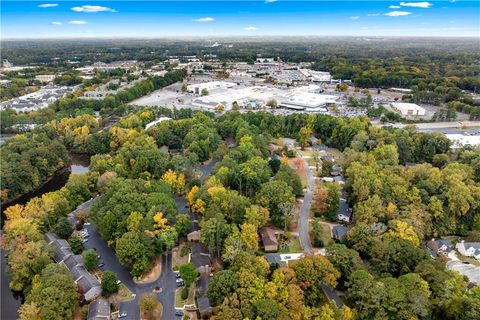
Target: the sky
(159, 19)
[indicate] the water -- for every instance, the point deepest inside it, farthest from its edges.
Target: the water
(4, 137)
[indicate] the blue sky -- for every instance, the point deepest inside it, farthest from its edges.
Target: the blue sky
(156, 19)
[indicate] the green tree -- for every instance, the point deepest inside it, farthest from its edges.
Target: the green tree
(109, 283)
(189, 273)
(63, 229)
(55, 293)
(90, 259)
(182, 224)
(272, 195)
(76, 244)
(222, 285)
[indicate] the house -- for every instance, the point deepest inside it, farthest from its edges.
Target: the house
(282, 259)
(200, 257)
(89, 286)
(269, 239)
(339, 232)
(99, 310)
(344, 213)
(469, 249)
(203, 303)
(73, 261)
(436, 247)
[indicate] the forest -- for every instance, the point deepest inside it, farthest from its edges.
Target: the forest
(404, 186)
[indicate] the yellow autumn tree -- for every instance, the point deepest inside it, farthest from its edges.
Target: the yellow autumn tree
(174, 180)
(191, 195)
(404, 231)
(198, 206)
(160, 223)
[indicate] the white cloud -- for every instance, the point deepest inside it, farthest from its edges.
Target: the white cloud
(205, 19)
(92, 9)
(57, 23)
(354, 17)
(424, 5)
(373, 14)
(397, 13)
(48, 5)
(77, 22)
(394, 7)
(250, 28)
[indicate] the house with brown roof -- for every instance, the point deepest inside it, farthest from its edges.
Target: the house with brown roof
(269, 239)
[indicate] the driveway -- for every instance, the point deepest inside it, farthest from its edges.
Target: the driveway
(305, 209)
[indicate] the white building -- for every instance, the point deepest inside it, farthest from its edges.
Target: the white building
(460, 140)
(316, 76)
(301, 98)
(197, 88)
(407, 109)
(469, 249)
(45, 77)
(154, 123)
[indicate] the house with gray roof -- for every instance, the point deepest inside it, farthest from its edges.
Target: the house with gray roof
(89, 286)
(203, 303)
(469, 249)
(99, 310)
(339, 232)
(86, 282)
(439, 246)
(73, 261)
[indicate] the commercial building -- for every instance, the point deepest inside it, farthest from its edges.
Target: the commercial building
(305, 98)
(197, 88)
(408, 110)
(45, 77)
(316, 76)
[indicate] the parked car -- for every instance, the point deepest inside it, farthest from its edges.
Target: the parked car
(180, 282)
(101, 264)
(118, 281)
(122, 315)
(179, 313)
(177, 275)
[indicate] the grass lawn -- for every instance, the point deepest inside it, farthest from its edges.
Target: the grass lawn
(123, 293)
(179, 302)
(470, 260)
(326, 234)
(297, 164)
(293, 247)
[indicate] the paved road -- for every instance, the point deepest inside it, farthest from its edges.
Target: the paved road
(305, 210)
(166, 281)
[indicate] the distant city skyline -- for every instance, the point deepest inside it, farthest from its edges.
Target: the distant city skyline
(157, 19)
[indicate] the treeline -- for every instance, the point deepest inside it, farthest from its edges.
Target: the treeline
(114, 101)
(28, 161)
(48, 288)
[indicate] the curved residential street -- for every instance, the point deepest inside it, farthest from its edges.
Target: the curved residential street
(305, 210)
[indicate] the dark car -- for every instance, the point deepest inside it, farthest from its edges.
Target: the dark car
(179, 313)
(101, 265)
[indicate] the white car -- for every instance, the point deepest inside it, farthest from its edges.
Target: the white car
(122, 315)
(118, 281)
